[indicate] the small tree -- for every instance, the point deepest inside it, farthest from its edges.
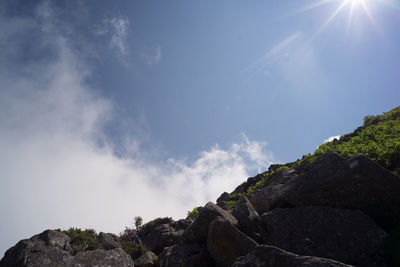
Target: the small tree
(138, 222)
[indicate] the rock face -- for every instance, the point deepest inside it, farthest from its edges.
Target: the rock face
(146, 260)
(344, 235)
(109, 241)
(269, 256)
(226, 243)
(357, 183)
(52, 248)
(197, 232)
(185, 256)
(249, 222)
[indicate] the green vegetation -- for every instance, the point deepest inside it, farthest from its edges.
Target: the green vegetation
(134, 250)
(378, 139)
(192, 214)
(138, 222)
(83, 239)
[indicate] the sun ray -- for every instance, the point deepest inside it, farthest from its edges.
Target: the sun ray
(392, 3)
(310, 7)
(351, 14)
(369, 14)
(329, 20)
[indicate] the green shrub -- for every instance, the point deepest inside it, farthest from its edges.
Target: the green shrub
(134, 250)
(192, 214)
(83, 239)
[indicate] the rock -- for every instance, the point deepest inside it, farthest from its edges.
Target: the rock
(109, 241)
(223, 198)
(115, 257)
(357, 183)
(250, 182)
(347, 236)
(269, 256)
(226, 243)
(52, 248)
(162, 233)
(185, 256)
(249, 222)
(146, 260)
(197, 232)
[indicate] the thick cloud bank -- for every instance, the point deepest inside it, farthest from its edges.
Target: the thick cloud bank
(58, 168)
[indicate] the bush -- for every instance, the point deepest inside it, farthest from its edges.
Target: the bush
(83, 239)
(134, 250)
(192, 214)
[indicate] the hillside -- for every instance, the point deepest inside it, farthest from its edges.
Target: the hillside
(336, 207)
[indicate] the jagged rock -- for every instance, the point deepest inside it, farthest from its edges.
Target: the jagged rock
(347, 236)
(146, 260)
(185, 256)
(269, 256)
(249, 221)
(197, 232)
(250, 182)
(164, 232)
(115, 257)
(357, 183)
(52, 248)
(223, 198)
(226, 243)
(109, 241)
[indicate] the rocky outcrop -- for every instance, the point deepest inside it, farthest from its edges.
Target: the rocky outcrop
(269, 256)
(356, 183)
(347, 236)
(197, 232)
(163, 232)
(223, 198)
(185, 255)
(249, 221)
(109, 241)
(226, 243)
(52, 248)
(148, 259)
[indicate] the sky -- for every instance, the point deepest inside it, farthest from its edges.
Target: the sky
(116, 109)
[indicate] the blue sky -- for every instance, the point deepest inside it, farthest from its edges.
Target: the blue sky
(113, 109)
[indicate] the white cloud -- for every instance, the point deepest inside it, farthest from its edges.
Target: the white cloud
(117, 28)
(330, 139)
(58, 169)
(152, 56)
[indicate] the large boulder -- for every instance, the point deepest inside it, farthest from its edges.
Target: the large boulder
(249, 221)
(347, 236)
(52, 248)
(197, 232)
(109, 241)
(100, 257)
(183, 255)
(223, 198)
(161, 233)
(226, 243)
(356, 183)
(269, 256)
(148, 259)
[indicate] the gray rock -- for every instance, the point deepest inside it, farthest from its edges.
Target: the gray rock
(357, 183)
(115, 257)
(146, 260)
(269, 256)
(197, 232)
(109, 241)
(185, 256)
(248, 218)
(223, 198)
(226, 243)
(347, 236)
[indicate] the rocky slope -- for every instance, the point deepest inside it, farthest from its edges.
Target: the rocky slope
(329, 209)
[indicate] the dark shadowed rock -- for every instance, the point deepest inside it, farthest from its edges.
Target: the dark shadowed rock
(223, 198)
(109, 241)
(162, 233)
(197, 232)
(269, 256)
(148, 259)
(226, 243)
(249, 221)
(357, 183)
(185, 256)
(347, 236)
(52, 248)
(250, 182)
(99, 257)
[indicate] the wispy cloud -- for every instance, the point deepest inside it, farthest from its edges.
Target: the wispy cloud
(117, 28)
(330, 139)
(152, 56)
(59, 169)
